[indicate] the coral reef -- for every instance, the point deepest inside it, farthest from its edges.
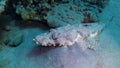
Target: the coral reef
(2, 5)
(63, 15)
(32, 12)
(81, 35)
(34, 9)
(57, 12)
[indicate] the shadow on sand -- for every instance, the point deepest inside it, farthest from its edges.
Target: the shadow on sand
(39, 50)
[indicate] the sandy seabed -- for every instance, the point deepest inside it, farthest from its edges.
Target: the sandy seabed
(106, 55)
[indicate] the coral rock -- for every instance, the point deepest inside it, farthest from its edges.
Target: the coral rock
(16, 40)
(2, 5)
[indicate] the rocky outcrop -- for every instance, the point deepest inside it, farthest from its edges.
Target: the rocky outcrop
(56, 12)
(2, 5)
(16, 40)
(13, 39)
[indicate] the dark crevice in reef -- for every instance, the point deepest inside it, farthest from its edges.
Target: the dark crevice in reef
(10, 9)
(1, 34)
(31, 24)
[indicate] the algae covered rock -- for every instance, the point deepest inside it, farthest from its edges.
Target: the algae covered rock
(2, 5)
(16, 40)
(12, 38)
(55, 12)
(32, 10)
(99, 3)
(63, 14)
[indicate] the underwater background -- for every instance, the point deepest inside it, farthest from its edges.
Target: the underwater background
(59, 34)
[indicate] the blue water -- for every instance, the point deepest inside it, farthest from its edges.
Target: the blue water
(30, 55)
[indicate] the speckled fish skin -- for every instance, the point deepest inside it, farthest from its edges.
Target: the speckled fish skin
(69, 35)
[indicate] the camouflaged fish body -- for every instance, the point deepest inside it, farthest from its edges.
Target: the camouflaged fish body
(83, 36)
